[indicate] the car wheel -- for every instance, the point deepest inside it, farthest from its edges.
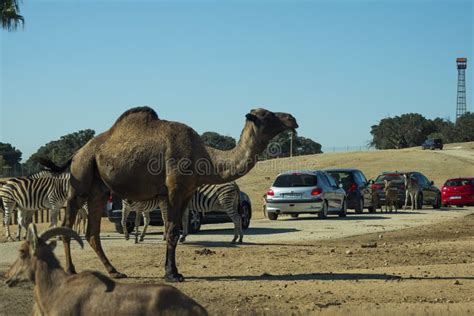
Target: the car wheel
(294, 215)
(324, 212)
(372, 209)
(272, 216)
(437, 203)
(343, 211)
(461, 205)
(194, 222)
(419, 202)
(246, 215)
(360, 206)
(119, 228)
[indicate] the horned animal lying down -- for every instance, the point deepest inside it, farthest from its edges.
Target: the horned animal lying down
(89, 292)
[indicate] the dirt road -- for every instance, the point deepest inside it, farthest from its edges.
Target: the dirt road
(422, 264)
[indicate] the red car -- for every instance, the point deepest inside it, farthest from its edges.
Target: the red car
(459, 191)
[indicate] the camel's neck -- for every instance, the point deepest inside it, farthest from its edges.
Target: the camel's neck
(228, 165)
(48, 277)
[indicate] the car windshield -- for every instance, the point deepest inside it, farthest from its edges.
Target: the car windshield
(343, 177)
(457, 182)
(295, 180)
(390, 177)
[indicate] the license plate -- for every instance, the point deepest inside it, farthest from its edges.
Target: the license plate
(292, 196)
(455, 198)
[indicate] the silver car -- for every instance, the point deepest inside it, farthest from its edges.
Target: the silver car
(308, 191)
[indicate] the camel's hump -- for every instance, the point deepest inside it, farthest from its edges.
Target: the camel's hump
(141, 109)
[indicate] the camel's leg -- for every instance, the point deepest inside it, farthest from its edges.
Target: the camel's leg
(125, 212)
(73, 204)
(96, 204)
(146, 220)
(137, 223)
(184, 225)
(176, 206)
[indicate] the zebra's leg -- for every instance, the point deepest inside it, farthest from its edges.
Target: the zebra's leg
(184, 224)
(412, 198)
(21, 223)
(137, 224)
(125, 212)
(237, 220)
(84, 222)
(146, 219)
(9, 207)
(164, 216)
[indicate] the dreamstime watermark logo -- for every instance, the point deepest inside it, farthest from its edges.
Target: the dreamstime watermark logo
(225, 167)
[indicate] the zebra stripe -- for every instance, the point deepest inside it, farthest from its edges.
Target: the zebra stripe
(29, 195)
(48, 173)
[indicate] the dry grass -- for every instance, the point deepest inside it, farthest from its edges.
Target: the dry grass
(437, 166)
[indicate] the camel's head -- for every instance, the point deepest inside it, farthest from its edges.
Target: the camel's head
(270, 123)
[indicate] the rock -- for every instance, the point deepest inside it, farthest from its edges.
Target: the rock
(265, 275)
(457, 282)
(380, 236)
(369, 245)
(349, 252)
(205, 252)
(332, 250)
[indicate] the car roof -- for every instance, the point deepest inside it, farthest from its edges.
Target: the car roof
(311, 172)
(342, 170)
(461, 178)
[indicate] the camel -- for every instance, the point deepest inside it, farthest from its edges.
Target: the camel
(142, 157)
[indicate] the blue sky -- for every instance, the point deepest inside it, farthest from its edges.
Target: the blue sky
(337, 66)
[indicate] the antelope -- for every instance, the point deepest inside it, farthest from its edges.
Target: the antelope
(391, 194)
(89, 292)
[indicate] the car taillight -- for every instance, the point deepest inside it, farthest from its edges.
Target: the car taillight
(270, 193)
(317, 191)
(352, 188)
(376, 186)
(110, 198)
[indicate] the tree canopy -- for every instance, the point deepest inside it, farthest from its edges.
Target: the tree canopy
(61, 150)
(280, 146)
(10, 15)
(409, 130)
(10, 155)
(218, 141)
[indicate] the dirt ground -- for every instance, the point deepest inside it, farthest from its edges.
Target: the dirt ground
(427, 270)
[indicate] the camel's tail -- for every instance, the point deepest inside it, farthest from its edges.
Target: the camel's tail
(48, 163)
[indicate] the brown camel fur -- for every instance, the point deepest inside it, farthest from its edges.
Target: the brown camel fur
(142, 157)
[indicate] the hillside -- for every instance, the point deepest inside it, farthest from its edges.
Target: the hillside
(455, 160)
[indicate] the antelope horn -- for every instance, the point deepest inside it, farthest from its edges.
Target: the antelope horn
(56, 231)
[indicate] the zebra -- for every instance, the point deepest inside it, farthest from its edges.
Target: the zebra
(213, 197)
(29, 195)
(224, 197)
(144, 208)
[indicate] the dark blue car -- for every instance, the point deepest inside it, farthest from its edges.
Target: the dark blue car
(196, 219)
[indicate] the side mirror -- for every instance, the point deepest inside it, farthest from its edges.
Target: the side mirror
(371, 181)
(431, 182)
